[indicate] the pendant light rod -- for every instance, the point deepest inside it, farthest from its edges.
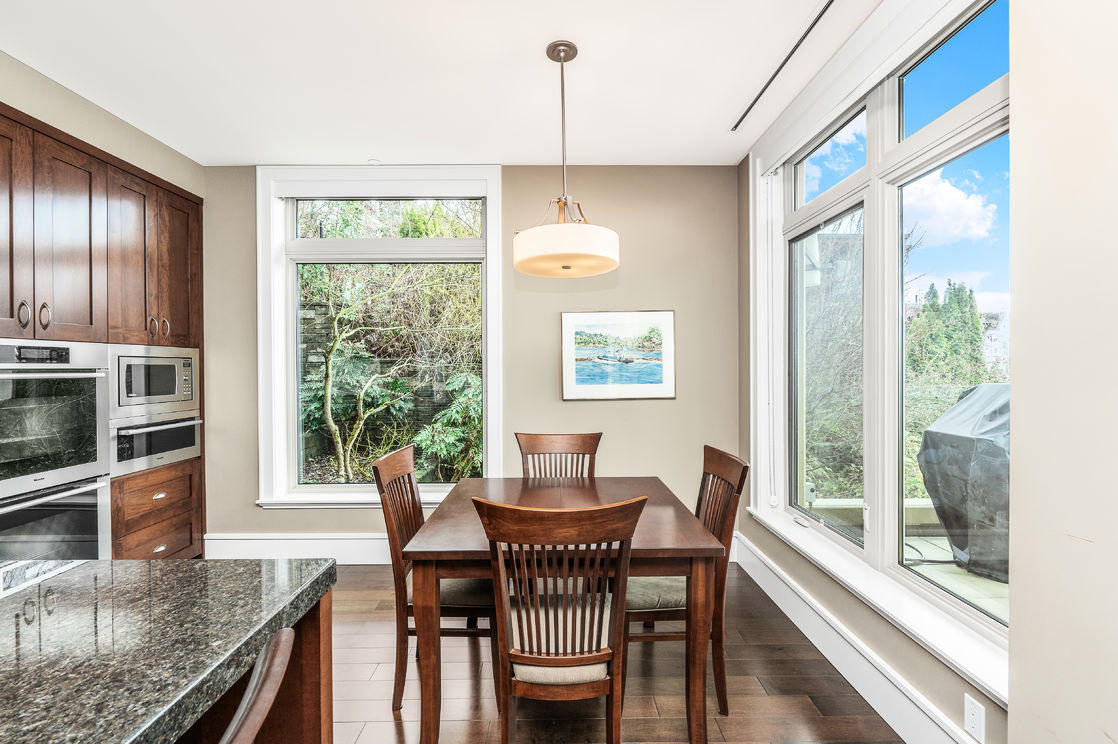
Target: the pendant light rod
(562, 52)
(563, 113)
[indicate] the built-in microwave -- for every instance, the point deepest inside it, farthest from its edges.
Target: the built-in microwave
(151, 379)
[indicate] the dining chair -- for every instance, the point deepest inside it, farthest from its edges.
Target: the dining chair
(263, 685)
(403, 516)
(559, 578)
(558, 455)
(653, 598)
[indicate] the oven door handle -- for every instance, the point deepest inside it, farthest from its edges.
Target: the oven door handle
(52, 497)
(146, 429)
(50, 375)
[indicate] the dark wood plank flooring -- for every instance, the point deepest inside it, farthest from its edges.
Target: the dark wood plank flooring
(781, 688)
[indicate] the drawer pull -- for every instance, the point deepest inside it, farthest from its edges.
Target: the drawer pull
(160, 495)
(160, 548)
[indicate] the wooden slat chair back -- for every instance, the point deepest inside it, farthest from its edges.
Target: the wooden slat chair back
(561, 575)
(403, 516)
(263, 686)
(558, 455)
(656, 598)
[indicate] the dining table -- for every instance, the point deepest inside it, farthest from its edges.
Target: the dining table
(669, 541)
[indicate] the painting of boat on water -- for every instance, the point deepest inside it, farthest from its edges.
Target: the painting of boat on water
(615, 355)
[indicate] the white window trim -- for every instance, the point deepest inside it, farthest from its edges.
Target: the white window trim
(973, 645)
(275, 321)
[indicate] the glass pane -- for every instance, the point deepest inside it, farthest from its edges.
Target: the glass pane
(388, 218)
(399, 348)
(46, 425)
(955, 238)
(977, 55)
(827, 364)
(832, 161)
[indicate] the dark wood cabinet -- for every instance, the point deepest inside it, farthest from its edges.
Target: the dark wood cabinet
(155, 250)
(157, 513)
(17, 230)
(133, 259)
(71, 303)
(180, 270)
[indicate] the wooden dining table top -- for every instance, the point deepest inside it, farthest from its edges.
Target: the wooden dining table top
(667, 528)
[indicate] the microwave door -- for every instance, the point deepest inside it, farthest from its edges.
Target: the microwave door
(147, 381)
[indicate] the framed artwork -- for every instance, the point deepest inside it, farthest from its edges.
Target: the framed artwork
(619, 355)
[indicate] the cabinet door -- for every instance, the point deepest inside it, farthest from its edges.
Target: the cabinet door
(180, 275)
(70, 240)
(17, 231)
(133, 250)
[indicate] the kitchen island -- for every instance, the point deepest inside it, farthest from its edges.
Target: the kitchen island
(158, 651)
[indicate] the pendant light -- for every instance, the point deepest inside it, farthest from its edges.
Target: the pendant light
(571, 246)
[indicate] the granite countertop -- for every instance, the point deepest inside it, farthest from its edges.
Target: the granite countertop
(136, 651)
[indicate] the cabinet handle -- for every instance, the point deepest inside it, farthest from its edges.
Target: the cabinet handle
(50, 316)
(167, 332)
(19, 314)
(153, 326)
(160, 495)
(159, 548)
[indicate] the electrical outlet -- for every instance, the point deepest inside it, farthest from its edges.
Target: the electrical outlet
(974, 718)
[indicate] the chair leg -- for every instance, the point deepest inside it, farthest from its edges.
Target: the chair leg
(471, 622)
(508, 720)
(718, 652)
(496, 668)
(614, 704)
(650, 625)
(401, 671)
(625, 658)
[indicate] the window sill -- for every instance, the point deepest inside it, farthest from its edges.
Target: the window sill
(980, 660)
(326, 497)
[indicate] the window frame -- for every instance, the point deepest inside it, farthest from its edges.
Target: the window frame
(967, 640)
(279, 251)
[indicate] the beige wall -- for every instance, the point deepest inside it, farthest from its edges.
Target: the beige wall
(678, 228)
(39, 96)
(1063, 157)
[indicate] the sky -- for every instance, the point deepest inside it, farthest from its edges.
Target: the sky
(960, 211)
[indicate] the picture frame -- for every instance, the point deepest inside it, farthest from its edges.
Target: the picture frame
(618, 355)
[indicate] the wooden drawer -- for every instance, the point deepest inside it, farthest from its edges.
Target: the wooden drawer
(142, 499)
(171, 538)
(150, 508)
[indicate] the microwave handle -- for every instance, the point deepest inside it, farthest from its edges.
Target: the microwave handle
(146, 429)
(50, 375)
(52, 497)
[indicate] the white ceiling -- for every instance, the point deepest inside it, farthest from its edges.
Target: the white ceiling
(238, 82)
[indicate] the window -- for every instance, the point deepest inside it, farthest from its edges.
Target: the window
(834, 160)
(399, 347)
(955, 469)
(969, 60)
(880, 312)
(827, 367)
(380, 330)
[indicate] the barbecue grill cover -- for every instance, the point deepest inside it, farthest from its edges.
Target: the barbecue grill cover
(964, 457)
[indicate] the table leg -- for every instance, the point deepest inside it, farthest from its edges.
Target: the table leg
(700, 606)
(425, 607)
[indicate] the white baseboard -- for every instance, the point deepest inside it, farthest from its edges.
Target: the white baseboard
(915, 718)
(347, 548)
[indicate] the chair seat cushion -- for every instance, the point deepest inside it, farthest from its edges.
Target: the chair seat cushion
(656, 593)
(547, 675)
(462, 592)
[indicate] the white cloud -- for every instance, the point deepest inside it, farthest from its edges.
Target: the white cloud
(943, 213)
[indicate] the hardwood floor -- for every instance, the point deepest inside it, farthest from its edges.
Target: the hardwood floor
(781, 688)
